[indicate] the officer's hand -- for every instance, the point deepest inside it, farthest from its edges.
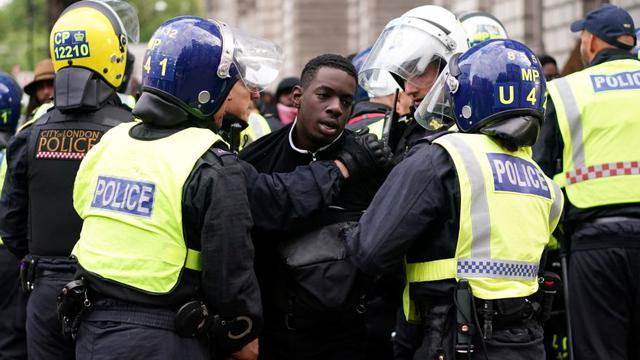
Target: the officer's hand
(248, 352)
(365, 154)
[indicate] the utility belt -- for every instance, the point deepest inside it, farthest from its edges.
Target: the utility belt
(479, 316)
(33, 266)
(77, 302)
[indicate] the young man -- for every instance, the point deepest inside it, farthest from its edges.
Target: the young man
(308, 315)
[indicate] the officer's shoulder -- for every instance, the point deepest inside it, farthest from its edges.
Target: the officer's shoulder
(219, 155)
(426, 149)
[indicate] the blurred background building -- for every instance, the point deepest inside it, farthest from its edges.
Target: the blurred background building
(304, 28)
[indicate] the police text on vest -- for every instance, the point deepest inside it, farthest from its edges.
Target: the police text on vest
(514, 174)
(123, 195)
(620, 81)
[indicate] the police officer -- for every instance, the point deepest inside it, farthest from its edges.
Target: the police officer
(165, 209)
(412, 49)
(585, 146)
(12, 305)
(470, 212)
(89, 46)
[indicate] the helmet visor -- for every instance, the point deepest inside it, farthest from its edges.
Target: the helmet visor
(405, 48)
(258, 60)
(436, 109)
(128, 18)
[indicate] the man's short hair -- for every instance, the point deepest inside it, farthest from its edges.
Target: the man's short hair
(327, 60)
(547, 59)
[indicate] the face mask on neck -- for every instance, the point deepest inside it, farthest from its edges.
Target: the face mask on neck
(287, 113)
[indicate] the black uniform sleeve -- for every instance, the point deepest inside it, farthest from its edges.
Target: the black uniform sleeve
(281, 199)
(14, 202)
(547, 151)
(229, 283)
(408, 204)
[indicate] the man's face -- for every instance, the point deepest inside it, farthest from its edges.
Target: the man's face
(325, 105)
(44, 91)
(239, 100)
(419, 86)
(550, 71)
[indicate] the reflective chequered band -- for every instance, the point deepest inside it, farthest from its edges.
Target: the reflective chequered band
(502, 269)
(572, 113)
(603, 170)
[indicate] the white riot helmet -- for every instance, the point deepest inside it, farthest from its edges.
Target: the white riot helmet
(408, 44)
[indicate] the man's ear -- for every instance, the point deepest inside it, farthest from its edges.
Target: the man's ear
(296, 96)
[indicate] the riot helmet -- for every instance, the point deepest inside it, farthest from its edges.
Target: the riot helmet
(496, 88)
(424, 36)
(194, 62)
(94, 35)
(10, 96)
(482, 26)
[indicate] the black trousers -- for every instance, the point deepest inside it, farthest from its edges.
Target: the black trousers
(604, 286)
(44, 331)
(112, 329)
(521, 342)
(12, 309)
(344, 340)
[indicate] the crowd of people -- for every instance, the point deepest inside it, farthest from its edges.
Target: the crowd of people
(442, 194)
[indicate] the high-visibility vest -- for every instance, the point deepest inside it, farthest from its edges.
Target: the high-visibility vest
(129, 193)
(598, 119)
(258, 127)
(508, 209)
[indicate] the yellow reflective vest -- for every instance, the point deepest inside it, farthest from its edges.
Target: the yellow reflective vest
(257, 128)
(598, 119)
(508, 209)
(129, 193)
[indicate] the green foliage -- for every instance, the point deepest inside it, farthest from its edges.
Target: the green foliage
(15, 19)
(151, 19)
(16, 16)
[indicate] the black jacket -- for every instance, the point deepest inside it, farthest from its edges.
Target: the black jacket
(547, 152)
(271, 154)
(36, 204)
(416, 208)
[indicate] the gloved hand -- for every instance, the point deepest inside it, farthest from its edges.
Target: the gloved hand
(364, 154)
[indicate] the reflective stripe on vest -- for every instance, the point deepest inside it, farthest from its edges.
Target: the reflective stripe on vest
(508, 209)
(129, 193)
(597, 126)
